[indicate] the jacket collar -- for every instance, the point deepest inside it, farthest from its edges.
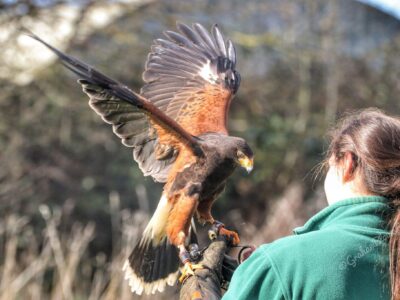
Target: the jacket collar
(342, 211)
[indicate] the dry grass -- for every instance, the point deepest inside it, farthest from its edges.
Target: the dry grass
(56, 265)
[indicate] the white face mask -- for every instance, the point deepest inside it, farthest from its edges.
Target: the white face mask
(333, 184)
(336, 188)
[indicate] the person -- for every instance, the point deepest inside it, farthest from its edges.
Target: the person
(350, 249)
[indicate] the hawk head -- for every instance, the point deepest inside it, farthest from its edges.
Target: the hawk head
(244, 156)
(240, 152)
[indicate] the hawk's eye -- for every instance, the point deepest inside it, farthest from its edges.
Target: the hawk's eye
(240, 154)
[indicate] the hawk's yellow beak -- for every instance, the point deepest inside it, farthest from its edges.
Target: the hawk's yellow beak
(246, 163)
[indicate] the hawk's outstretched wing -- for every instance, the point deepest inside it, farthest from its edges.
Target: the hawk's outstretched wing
(192, 77)
(134, 119)
(190, 80)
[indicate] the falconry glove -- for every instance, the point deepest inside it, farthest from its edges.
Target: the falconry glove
(217, 271)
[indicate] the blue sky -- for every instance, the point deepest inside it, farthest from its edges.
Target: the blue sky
(389, 6)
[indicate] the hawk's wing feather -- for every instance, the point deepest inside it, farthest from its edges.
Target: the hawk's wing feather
(134, 119)
(133, 127)
(191, 76)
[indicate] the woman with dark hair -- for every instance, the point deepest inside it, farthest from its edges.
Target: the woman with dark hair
(350, 249)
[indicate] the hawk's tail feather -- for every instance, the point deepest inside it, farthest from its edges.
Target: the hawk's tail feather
(151, 267)
(154, 262)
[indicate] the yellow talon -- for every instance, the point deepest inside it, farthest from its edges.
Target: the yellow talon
(188, 270)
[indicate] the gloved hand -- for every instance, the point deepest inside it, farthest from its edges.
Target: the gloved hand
(217, 272)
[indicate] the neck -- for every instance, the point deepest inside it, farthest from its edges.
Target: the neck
(346, 192)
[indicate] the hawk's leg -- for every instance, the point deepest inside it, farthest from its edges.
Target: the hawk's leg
(204, 208)
(178, 230)
(204, 212)
(179, 219)
(204, 216)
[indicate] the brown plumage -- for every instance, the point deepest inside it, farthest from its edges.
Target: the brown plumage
(177, 128)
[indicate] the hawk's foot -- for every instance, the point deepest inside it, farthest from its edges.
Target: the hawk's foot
(218, 228)
(188, 270)
(188, 266)
(231, 234)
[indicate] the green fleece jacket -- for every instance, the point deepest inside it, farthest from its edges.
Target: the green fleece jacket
(340, 253)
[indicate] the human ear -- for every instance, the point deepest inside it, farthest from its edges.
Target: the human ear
(347, 167)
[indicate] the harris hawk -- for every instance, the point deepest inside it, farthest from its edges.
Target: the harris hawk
(177, 129)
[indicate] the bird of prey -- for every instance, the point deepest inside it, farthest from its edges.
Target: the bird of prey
(177, 129)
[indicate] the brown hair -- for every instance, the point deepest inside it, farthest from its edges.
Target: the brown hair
(373, 139)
